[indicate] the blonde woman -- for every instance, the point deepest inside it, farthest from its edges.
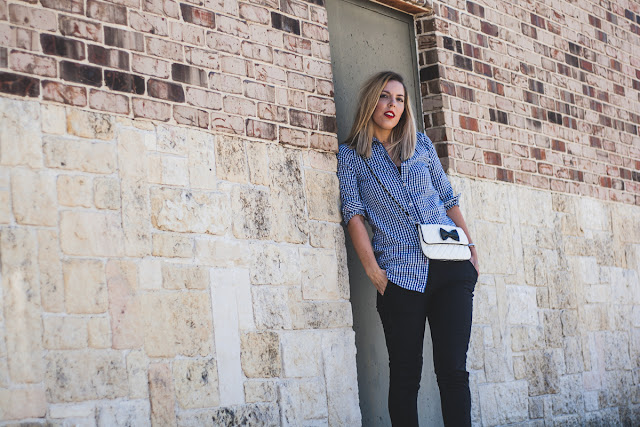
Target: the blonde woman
(411, 288)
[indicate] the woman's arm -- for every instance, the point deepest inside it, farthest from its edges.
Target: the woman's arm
(362, 244)
(456, 216)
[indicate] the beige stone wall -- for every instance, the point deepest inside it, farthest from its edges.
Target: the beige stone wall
(556, 332)
(163, 275)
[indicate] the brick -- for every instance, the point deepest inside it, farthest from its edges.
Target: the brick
(270, 74)
(295, 137)
(123, 82)
(469, 123)
(259, 91)
(191, 116)
(189, 75)
(4, 60)
(319, 15)
(164, 49)
(234, 27)
(123, 39)
(232, 65)
(73, 27)
(203, 99)
(111, 102)
(15, 84)
(224, 42)
(228, 124)
(66, 94)
(72, 6)
(287, 60)
(262, 130)
(301, 81)
(317, 68)
(153, 110)
(324, 142)
(315, 32)
(254, 13)
(112, 58)
(197, 16)
(296, 8)
(165, 90)
(328, 124)
(303, 119)
(61, 46)
(257, 51)
(225, 83)
(168, 8)
(107, 12)
(202, 58)
(186, 33)
(147, 23)
(33, 64)
(39, 19)
(239, 106)
(150, 66)
(272, 112)
(285, 23)
(80, 73)
(321, 105)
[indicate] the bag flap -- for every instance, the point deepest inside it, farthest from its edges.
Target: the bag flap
(430, 234)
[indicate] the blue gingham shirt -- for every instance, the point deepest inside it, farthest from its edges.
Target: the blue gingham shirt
(423, 190)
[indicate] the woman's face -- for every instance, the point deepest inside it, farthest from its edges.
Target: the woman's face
(389, 109)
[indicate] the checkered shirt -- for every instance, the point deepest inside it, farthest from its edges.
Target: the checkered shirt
(423, 190)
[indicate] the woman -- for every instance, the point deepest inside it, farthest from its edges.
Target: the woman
(411, 288)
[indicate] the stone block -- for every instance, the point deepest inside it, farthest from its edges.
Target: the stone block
(54, 119)
(534, 206)
(150, 273)
(570, 398)
(75, 190)
(196, 383)
(275, 265)
(302, 400)
(592, 214)
(322, 234)
(552, 328)
(260, 354)
(252, 213)
(88, 124)
(85, 286)
(496, 259)
(321, 161)
(258, 161)
(475, 355)
(189, 211)
(338, 357)
(257, 414)
(72, 410)
(172, 245)
(22, 310)
(231, 160)
(167, 169)
(23, 403)
(178, 276)
(106, 193)
(137, 374)
(222, 252)
(33, 197)
(127, 413)
(319, 274)
(91, 233)
(287, 196)
(323, 196)
(99, 332)
(64, 333)
(79, 155)
(260, 391)
(124, 304)
(78, 375)
(5, 207)
(297, 348)
(177, 323)
(542, 372)
(504, 403)
(20, 118)
(321, 315)
(271, 308)
(202, 159)
(525, 338)
(51, 283)
(162, 395)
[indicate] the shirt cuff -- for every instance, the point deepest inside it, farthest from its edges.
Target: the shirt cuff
(454, 201)
(349, 211)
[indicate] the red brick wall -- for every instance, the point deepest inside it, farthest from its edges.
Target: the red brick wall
(543, 94)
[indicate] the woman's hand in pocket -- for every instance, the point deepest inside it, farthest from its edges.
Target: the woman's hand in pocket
(379, 279)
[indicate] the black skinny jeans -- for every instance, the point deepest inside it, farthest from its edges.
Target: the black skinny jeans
(447, 304)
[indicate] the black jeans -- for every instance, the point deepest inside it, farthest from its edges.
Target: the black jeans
(447, 304)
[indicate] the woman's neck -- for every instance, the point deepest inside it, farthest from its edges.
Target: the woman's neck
(382, 136)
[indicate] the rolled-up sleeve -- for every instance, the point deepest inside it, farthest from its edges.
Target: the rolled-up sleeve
(349, 193)
(439, 178)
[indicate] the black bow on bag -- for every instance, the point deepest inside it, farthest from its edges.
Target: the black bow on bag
(444, 234)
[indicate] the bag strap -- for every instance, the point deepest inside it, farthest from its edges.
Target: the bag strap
(389, 193)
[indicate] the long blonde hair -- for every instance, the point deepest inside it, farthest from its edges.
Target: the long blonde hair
(403, 136)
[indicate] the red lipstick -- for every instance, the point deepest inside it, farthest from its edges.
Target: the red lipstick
(389, 114)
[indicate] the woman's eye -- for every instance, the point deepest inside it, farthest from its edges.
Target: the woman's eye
(400, 100)
(383, 96)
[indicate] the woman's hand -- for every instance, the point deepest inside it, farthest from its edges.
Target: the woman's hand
(474, 259)
(379, 279)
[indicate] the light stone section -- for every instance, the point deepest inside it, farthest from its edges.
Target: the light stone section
(556, 307)
(160, 275)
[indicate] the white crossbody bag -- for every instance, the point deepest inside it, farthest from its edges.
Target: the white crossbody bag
(438, 241)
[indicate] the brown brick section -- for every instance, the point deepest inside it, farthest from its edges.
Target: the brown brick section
(544, 109)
